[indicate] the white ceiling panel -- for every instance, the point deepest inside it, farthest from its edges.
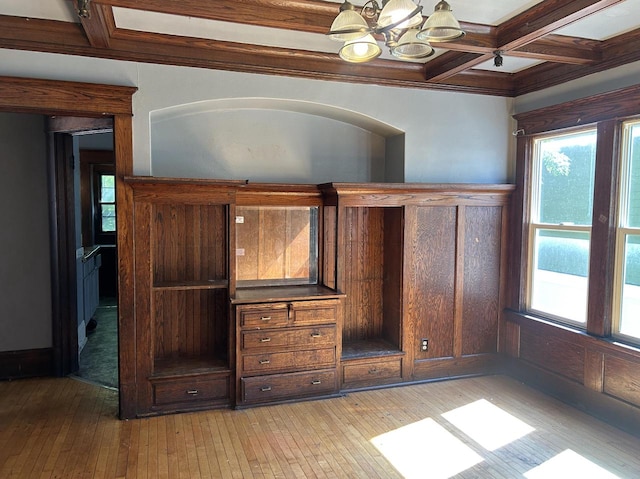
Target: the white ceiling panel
(620, 18)
(61, 10)
(509, 64)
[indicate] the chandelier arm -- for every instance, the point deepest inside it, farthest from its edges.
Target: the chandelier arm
(373, 6)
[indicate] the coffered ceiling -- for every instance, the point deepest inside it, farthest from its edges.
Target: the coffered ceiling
(543, 42)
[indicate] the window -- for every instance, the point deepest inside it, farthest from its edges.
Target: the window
(106, 203)
(627, 305)
(561, 209)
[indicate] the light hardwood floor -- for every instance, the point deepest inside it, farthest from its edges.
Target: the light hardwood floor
(468, 428)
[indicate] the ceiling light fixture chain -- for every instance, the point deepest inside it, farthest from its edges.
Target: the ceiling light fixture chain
(399, 22)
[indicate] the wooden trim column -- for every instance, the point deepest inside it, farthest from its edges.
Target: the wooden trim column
(603, 230)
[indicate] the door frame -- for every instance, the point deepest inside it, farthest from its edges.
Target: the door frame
(91, 100)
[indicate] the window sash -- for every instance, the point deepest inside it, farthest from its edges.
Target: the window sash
(548, 290)
(556, 285)
(106, 204)
(626, 300)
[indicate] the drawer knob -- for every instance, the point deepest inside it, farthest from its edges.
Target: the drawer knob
(264, 361)
(373, 371)
(265, 389)
(315, 382)
(265, 318)
(315, 335)
(192, 392)
(265, 340)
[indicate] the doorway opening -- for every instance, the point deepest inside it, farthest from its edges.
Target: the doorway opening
(98, 315)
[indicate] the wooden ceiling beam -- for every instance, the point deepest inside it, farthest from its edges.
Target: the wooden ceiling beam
(99, 26)
(616, 52)
(68, 38)
(451, 63)
(316, 17)
(561, 49)
(307, 16)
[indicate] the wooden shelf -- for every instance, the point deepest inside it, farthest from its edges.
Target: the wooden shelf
(368, 349)
(186, 285)
(180, 367)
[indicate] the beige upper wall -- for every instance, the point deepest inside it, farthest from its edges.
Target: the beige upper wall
(610, 80)
(449, 137)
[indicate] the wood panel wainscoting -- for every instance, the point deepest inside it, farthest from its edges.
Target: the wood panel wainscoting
(248, 294)
(593, 374)
(59, 427)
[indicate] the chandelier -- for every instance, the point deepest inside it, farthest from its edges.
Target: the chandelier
(399, 22)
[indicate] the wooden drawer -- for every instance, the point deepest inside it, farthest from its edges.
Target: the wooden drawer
(264, 317)
(371, 372)
(190, 390)
(291, 338)
(291, 360)
(314, 312)
(288, 386)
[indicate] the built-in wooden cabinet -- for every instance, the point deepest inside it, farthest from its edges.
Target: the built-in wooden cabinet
(255, 294)
(182, 283)
(287, 343)
(421, 268)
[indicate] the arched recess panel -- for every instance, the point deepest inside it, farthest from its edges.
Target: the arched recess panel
(273, 141)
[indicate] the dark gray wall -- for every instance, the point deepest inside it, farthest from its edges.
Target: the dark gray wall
(25, 283)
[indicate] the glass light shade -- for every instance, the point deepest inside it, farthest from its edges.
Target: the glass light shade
(441, 26)
(360, 50)
(399, 14)
(411, 48)
(348, 25)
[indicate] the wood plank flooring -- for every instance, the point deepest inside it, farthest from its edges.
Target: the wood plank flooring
(489, 427)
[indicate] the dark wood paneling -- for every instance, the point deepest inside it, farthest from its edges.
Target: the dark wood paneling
(190, 324)
(363, 273)
(190, 243)
(481, 291)
(392, 282)
(561, 357)
(26, 363)
(612, 411)
(274, 243)
(512, 340)
(431, 274)
(594, 370)
(330, 245)
(621, 379)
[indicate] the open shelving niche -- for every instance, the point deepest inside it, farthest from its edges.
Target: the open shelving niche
(190, 288)
(372, 283)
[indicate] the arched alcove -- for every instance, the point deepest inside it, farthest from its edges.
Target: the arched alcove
(273, 140)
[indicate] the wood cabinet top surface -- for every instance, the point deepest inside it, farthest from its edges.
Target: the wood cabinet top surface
(272, 294)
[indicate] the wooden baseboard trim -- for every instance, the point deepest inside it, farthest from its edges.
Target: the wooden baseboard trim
(444, 368)
(613, 411)
(26, 363)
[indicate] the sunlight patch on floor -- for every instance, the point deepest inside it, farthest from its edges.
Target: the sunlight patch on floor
(569, 464)
(487, 424)
(425, 449)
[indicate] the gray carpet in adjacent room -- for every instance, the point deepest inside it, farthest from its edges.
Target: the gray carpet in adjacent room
(99, 357)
